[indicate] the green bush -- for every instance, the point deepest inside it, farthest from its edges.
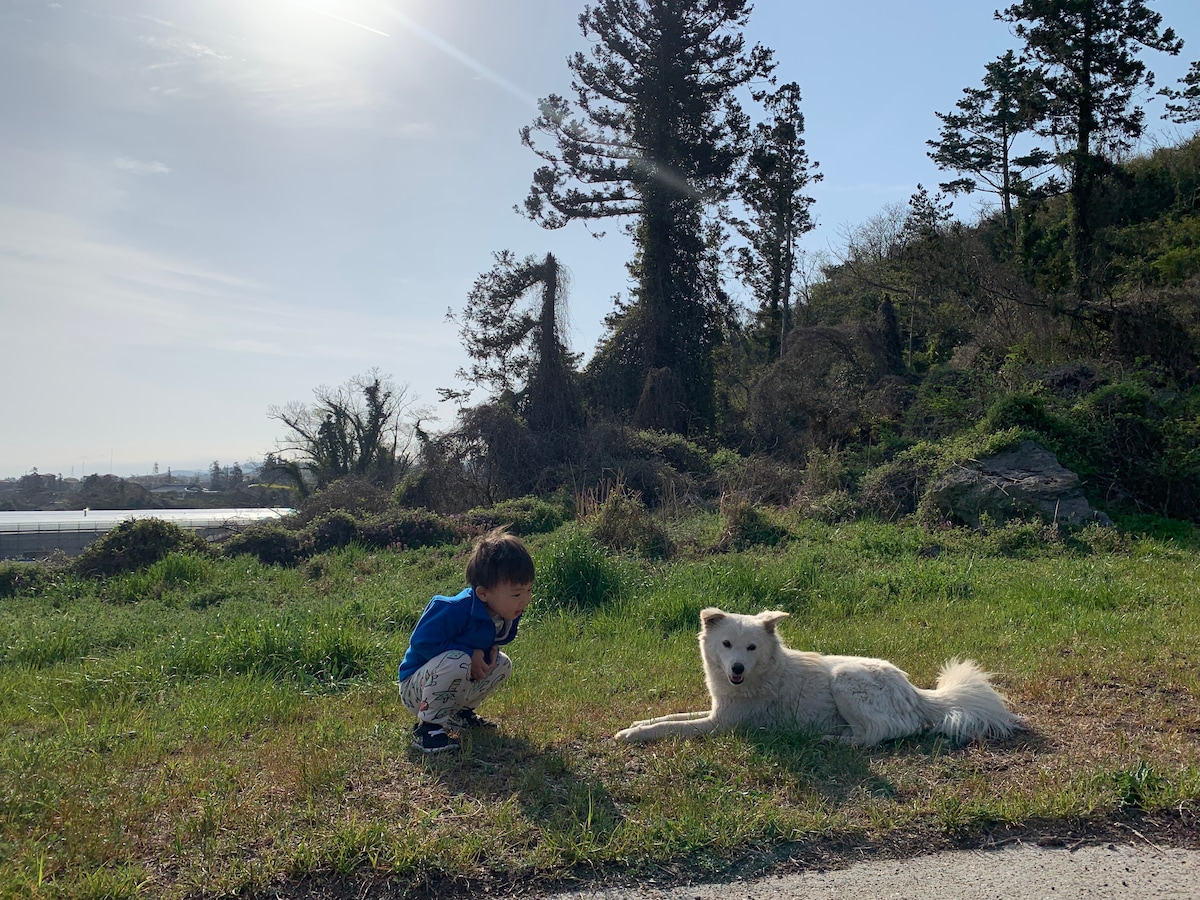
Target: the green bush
(761, 479)
(175, 572)
(674, 449)
(409, 529)
(332, 531)
(353, 495)
(947, 401)
(574, 572)
(1020, 410)
(313, 647)
(748, 526)
(24, 578)
(836, 506)
(894, 489)
(1135, 444)
(135, 544)
(524, 516)
(623, 523)
(270, 542)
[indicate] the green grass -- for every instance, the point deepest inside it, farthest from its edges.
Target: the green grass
(210, 726)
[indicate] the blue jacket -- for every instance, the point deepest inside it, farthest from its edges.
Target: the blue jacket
(461, 622)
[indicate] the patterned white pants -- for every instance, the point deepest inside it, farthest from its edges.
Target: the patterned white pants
(443, 685)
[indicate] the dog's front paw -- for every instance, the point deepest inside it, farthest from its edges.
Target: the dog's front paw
(630, 734)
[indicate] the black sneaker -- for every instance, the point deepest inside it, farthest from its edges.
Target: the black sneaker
(430, 738)
(467, 718)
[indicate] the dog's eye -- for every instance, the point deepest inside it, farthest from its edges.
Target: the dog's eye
(726, 644)
(752, 646)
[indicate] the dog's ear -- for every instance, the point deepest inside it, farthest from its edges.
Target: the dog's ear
(711, 616)
(769, 617)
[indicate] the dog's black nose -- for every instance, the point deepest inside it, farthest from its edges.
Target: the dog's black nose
(738, 668)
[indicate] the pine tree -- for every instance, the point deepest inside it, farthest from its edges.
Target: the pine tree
(979, 140)
(772, 187)
(1085, 54)
(1186, 107)
(655, 134)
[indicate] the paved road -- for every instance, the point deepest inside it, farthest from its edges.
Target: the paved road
(1014, 872)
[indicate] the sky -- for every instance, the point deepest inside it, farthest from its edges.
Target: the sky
(210, 208)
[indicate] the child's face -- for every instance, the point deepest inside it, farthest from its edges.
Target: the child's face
(506, 599)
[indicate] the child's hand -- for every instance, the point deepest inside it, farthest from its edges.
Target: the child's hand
(481, 665)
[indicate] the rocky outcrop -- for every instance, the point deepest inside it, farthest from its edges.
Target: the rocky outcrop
(1025, 483)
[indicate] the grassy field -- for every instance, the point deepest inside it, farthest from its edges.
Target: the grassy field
(217, 726)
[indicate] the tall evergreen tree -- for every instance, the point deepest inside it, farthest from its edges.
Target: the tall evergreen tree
(1186, 105)
(772, 187)
(655, 134)
(979, 140)
(1085, 54)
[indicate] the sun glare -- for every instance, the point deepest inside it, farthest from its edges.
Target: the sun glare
(319, 21)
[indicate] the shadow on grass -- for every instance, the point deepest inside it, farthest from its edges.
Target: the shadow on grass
(572, 807)
(841, 772)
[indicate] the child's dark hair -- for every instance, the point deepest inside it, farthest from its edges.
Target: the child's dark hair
(499, 556)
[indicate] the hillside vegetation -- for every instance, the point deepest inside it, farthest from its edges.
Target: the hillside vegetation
(930, 340)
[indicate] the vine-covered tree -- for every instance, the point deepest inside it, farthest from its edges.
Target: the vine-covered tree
(979, 140)
(1084, 52)
(517, 348)
(655, 134)
(363, 428)
(772, 186)
(1185, 107)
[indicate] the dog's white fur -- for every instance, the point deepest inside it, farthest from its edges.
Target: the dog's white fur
(757, 682)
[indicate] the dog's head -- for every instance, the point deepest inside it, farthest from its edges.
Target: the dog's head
(733, 645)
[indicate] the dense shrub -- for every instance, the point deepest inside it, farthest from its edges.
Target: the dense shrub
(332, 531)
(623, 523)
(1020, 410)
(24, 578)
(761, 480)
(312, 648)
(748, 526)
(270, 542)
(576, 573)
(836, 506)
(524, 516)
(1136, 444)
(948, 400)
(894, 489)
(355, 496)
(410, 528)
(135, 544)
(675, 450)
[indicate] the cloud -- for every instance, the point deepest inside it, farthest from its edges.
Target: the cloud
(102, 293)
(140, 167)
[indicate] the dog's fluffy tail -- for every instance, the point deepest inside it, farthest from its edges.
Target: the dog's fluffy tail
(971, 708)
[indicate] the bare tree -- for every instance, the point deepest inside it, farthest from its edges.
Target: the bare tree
(364, 427)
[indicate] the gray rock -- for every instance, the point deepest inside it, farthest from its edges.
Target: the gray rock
(1024, 483)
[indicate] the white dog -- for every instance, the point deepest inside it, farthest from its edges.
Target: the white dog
(757, 682)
